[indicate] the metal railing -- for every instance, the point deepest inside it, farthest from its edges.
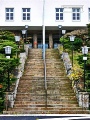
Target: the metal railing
(45, 81)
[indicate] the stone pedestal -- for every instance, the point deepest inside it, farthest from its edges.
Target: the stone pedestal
(84, 99)
(35, 41)
(50, 41)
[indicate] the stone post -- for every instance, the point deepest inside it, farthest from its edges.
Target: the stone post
(35, 41)
(50, 41)
(84, 99)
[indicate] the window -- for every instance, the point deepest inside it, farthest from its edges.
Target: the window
(59, 13)
(26, 13)
(9, 13)
(89, 13)
(76, 14)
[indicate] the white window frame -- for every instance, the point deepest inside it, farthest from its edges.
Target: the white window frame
(26, 16)
(59, 12)
(76, 12)
(9, 12)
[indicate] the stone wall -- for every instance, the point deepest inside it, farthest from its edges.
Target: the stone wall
(82, 96)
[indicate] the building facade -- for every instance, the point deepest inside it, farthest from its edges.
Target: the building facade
(43, 17)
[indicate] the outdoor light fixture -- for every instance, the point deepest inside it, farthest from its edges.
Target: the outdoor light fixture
(17, 39)
(63, 32)
(72, 40)
(85, 52)
(59, 26)
(23, 33)
(26, 27)
(8, 52)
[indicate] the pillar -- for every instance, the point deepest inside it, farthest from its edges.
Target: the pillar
(35, 41)
(50, 41)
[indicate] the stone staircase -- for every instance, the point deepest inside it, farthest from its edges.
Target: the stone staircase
(60, 96)
(31, 96)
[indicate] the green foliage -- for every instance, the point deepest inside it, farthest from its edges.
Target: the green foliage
(88, 26)
(67, 44)
(77, 43)
(7, 35)
(7, 39)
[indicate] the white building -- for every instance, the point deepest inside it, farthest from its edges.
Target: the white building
(43, 17)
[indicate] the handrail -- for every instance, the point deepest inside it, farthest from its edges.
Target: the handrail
(45, 74)
(45, 79)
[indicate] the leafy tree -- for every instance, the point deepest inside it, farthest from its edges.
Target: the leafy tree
(7, 39)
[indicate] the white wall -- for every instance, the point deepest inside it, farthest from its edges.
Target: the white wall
(50, 12)
(37, 12)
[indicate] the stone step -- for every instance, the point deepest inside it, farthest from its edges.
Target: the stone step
(34, 70)
(60, 81)
(37, 93)
(53, 60)
(35, 98)
(34, 74)
(60, 93)
(61, 78)
(23, 103)
(52, 50)
(59, 87)
(54, 64)
(35, 50)
(34, 66)
(50, 100)
(35, 63)
(55, 69)
(23, 83)
(31, 90)
(41, 104)
(51, 57)
(53, 97)
(28, 77)
(55, 73)
(34, 60)
(23, 111)
(35, 56)
(46, 108)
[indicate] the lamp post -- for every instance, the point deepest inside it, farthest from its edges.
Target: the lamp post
(63, 32)
(72, 40)
(23, 33)
(59, 26)
(8, 52)
(85, 52)
(26, 27)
